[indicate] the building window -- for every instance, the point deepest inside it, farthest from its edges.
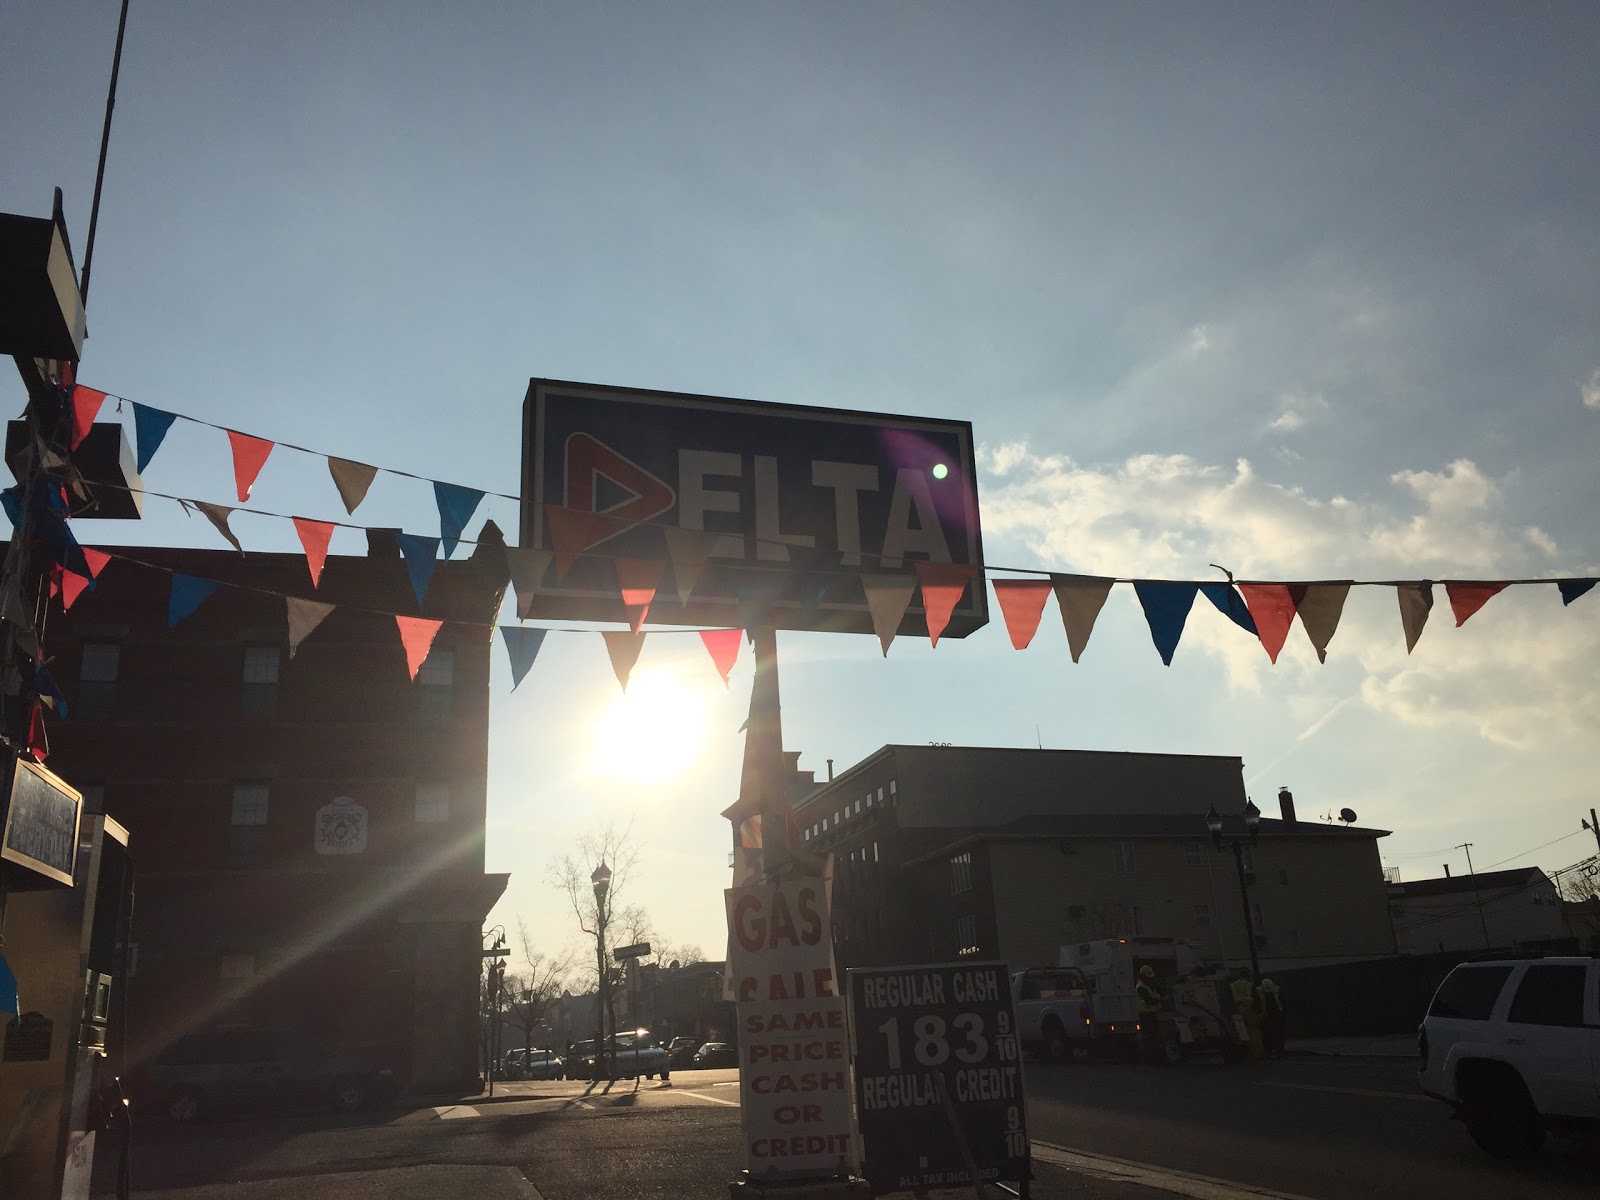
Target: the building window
(961, 873)
(437, 680)
(824, 824)
(966, 934)
(1256, 920)
(838, 819)
(869, 799)
(97, 681)
(247, 835)
(260, 695)
(874, 851)
(808, 835)
(1122, 858)
(1202, 916)
(1194, 854)
(433, 803)
(891, 792)
(238, 966)
(858, 808)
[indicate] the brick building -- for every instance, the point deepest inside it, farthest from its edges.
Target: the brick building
(307, 833)
(950, 851)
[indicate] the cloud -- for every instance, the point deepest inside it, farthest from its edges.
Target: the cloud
(1591, 390)
(1200, 341)
(1296, 410)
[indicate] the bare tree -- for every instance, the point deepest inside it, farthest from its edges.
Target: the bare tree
(529, 994)
(597, 909)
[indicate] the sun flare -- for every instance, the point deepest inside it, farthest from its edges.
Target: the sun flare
(652, 732)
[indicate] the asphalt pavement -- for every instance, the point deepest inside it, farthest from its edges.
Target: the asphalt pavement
(1314, 1128)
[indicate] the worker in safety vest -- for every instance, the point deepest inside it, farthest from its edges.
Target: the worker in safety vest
(1149, 1000)
(1272, 1030)
(1244, 1003)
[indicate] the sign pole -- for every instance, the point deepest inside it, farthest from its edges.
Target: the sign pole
(764, 775)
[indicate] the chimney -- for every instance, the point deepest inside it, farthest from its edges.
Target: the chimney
(830, 770)
(382, 543)
(1286, 805)
(1447, 870)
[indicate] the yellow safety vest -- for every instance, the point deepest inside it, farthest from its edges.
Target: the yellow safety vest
(1243, 994)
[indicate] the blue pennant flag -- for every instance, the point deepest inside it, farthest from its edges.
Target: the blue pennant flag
(1571, 589)
(8, 989)
(47, 689)
(422, 555)
(456, 506)
(150, 427)
(523, 647)
(1166, 609)
(1231, 605)
(188, 594)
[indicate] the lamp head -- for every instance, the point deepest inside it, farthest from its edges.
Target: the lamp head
(601, 878)
(1214, 825)
(1252, 818)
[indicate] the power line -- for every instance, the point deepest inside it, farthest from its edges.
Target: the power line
(1535, 850)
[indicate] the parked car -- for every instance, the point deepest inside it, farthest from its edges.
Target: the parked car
(681, 1052)
(632, 1053)
(716, 1054)
(1514, 1048)
(203, 1074)
(533, 1064)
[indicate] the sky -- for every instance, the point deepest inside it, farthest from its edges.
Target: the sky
(1308, 293)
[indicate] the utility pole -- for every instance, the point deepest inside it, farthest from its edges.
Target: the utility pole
(1476, 895)
(1593, 826)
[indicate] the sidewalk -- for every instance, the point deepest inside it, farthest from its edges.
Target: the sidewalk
(1397, 1045)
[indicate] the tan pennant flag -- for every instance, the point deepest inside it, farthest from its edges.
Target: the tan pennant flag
(1416, 600)
(304, 616)
(352, 479)
(528, 566)
(688, 549)
(1080, 597)
(624, 651)
(888, 597)
(1320, 606)
(218, 515)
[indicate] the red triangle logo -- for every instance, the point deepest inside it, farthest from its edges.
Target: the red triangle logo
(589, 461)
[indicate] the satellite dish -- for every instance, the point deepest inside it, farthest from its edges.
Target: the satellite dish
(673, 965)
(1347, 815)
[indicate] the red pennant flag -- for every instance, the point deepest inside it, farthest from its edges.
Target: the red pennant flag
(572, 531)
(314, 536)
(249, 454)
(1468, 598)
(1021, 604)
(86, 404)
(56, 572)
(723, 646)
(416, 635)
(639, 578)
(1272, 608)
(942, 585)
(97, 559)
(38, 740)
(73, 585)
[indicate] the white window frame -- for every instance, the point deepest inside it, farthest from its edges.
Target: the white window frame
(101, 662)
(961, 873)
(251, 803)
(1194, 853)
(432, 803)
(1202, 916)
(258, 667)
(1122, 858)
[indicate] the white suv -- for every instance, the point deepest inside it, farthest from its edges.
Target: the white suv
(1514, 1048)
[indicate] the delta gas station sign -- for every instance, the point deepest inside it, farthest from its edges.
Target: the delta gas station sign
(791, 503)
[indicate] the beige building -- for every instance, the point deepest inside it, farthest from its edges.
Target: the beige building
(1491, 910)
(949, 851)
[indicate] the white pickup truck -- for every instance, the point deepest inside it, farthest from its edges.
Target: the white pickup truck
(1514, 1048)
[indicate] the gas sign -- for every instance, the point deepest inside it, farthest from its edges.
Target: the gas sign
(792, 505)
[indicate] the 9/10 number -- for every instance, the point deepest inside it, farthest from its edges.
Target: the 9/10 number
(931, 1047)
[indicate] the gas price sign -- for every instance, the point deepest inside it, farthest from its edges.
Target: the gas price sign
(938, 1076)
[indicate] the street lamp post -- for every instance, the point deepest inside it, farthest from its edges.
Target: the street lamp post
(494, 980)
(601, 878)
(1252, 825)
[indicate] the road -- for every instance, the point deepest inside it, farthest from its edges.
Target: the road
(1324, 1129)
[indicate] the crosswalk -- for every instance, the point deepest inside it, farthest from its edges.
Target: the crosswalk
(647, 1096)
